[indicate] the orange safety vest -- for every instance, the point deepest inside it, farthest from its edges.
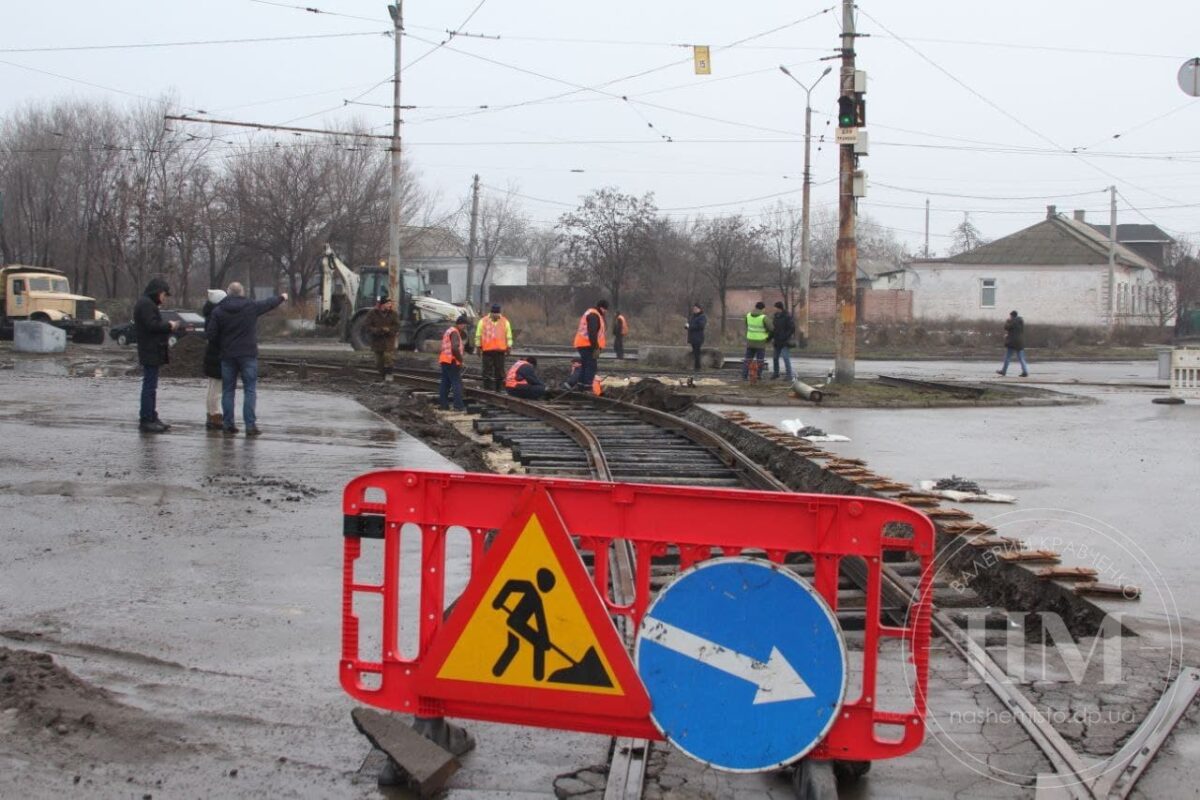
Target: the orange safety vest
(447, 354)
(493, 334)
(622, 325)
(581, 335)
(512, 380)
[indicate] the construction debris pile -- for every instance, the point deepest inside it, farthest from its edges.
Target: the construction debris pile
(957, 484)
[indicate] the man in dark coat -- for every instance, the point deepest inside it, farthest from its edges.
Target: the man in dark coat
(695, 332)
(783, 328)
(152, 333)
(234, 325)
(383, 326)
(1014, 344)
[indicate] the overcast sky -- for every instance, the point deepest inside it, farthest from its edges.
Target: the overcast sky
(968, 101)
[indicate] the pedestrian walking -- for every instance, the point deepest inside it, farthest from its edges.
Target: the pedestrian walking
(383, 326)
(493, 339)
(212, 364)
(1014, 344)
(451, 361)
(783, 328)
(234, 324)
(589, 341)
(620, 329)
(758, 332)
(522, 380)
(152, 333)
(695, 332)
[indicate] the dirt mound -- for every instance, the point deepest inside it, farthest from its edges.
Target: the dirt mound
(187, 358)
(651, 393)
(53, 710)
(416, 416)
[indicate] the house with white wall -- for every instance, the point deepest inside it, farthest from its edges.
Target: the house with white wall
(1055, 272)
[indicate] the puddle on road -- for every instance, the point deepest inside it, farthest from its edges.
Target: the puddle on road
(154, 493)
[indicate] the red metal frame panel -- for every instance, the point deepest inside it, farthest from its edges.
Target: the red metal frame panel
(701, 523)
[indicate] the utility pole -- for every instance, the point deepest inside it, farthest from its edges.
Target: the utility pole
(397, 13)
(805, 261)
(847, 245)
(471, 239)
(927, 227)
(1112, 257)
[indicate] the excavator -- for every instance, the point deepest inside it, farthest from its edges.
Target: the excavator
(422, 317)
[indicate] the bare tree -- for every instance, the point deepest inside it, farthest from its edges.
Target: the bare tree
(965, 236)
(728, 247)
(544, 250)
(675, 279)
(501, 230)
(606, 238)
(781, 236)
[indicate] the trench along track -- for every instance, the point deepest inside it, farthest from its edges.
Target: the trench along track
(610, 440)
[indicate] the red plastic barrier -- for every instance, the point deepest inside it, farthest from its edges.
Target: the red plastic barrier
(700, 523)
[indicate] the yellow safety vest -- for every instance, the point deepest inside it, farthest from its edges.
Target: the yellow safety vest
(756, 327)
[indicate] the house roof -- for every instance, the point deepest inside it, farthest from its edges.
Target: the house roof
(1055, 241)
(1135, 232)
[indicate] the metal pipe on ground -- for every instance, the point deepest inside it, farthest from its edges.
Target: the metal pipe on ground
(807, 392)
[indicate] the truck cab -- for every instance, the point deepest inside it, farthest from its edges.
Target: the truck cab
(41, 294)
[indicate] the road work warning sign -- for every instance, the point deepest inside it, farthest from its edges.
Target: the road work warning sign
(531, 619)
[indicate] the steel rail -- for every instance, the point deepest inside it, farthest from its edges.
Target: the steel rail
(628, 759)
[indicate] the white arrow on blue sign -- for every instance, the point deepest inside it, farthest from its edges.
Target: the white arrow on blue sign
(744, 664)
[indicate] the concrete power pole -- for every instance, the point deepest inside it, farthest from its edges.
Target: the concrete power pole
(471, 239)
(847, 246)
(805, 260)
(394, 211)
(1112, 257)
(927, 227)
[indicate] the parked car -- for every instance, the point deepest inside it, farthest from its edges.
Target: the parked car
(190, 322)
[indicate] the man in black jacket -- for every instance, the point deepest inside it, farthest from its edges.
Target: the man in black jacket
(1014, 344)
(234, 326)
(695, 332)
(783, 328)
(152, 333)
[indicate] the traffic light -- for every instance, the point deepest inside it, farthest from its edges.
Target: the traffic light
(847, 112)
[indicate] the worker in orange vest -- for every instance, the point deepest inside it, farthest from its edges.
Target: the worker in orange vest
(451, 361)
(493, 338)
(522, 380)
(589, 341)
(620, 328)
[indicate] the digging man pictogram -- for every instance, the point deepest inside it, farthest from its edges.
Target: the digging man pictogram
(527, 620)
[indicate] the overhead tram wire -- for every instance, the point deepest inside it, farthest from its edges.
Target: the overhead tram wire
(188, 43)
(1001, 110)
(1139, 126)
(492, 107)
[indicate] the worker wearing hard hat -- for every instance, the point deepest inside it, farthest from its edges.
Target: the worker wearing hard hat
(493, 339)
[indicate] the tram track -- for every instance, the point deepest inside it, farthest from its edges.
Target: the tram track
(612, 440)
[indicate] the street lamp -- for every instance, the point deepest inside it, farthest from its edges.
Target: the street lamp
(805, 263)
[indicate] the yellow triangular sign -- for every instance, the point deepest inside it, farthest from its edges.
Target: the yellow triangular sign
(529, 628)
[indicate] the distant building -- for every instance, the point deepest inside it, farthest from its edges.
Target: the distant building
(446, 276)
(1053, 272)
(1148, 241)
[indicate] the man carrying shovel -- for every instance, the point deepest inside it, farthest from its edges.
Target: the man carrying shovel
(527, 621)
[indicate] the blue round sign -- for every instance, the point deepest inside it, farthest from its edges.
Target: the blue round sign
(744, 664)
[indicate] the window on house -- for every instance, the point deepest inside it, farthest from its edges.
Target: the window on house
(987, 293)
(439, 277)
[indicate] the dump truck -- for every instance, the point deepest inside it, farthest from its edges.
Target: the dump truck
(348, 294)
(40, 294)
